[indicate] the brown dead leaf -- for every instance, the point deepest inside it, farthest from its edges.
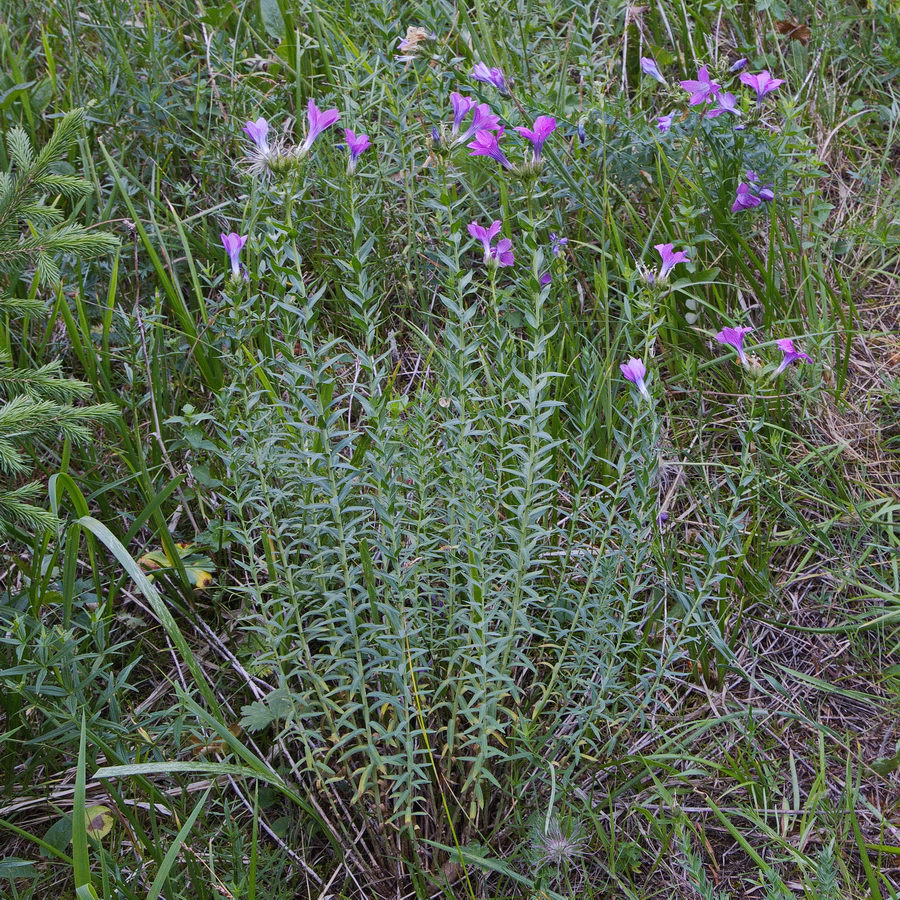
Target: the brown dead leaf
(794, 30)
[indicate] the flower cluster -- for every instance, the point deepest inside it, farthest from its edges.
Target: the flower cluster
(267, 158)
(635, 371)
(705, 92)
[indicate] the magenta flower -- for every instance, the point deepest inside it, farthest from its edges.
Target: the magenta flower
(318, 122)
(487, 144)
(634, 371)
(544, 126)
(492, 76)
(501, 254)
(791, 354)
(557, 243)
(664, 123)
(649, 67)
(750, 193)
(357, 144)
(233, 244)
(669, 259)
(763, 83)
(461, 107)
(727, 102)
(258, 132)
(734, 337)
(703, 89)
(482, 120)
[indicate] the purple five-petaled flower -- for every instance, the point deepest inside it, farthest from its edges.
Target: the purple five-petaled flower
(664, 123)
(357, 144)
(544, 126)
(492, 76)
(702, 89)
(258, 132)
(501, 254)
(763, 83)
(634, 371)
(487, 144)
(318, 122)
(670, 259)
(233, 244)
(734, 337)
(649, 67)
(791, 354)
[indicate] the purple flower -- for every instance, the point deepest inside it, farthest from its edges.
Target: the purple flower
(703, 89)
(662, 518)
(356, 144)
(738, 64)
(664, 123)
(544, 126)
(233, 244)
(634, 371)
(649, 67)
(482, 120)
(734, 337)
(669, 259)
(461, 107)
(545, 279)
(750, 193)
(502, 254)
(727, 102)
(318, 122)
(791, 354)
(492, 76)
(487, 144)
(258, 132)
(582, 134)
(745, 198)
(763, 83)
(557, 243)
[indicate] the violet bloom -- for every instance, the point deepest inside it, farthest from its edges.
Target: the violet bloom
(664, 123)
(634, 371)
(727, 102)
(750, 193)
(703, 89)
(557, 243)
(501, 254)
(738, 64)
(487, 144)
(545, 279)
(791, 354)
(357, 144)
(745, 198)
(482, 120)
(669, 259)
(544, 126)
(649, 67)
(492, 76)
(582, 134)
(763, 83)
(318, 122)
(461, 107)
(734, 337)
(233, 244)
(258, 132)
